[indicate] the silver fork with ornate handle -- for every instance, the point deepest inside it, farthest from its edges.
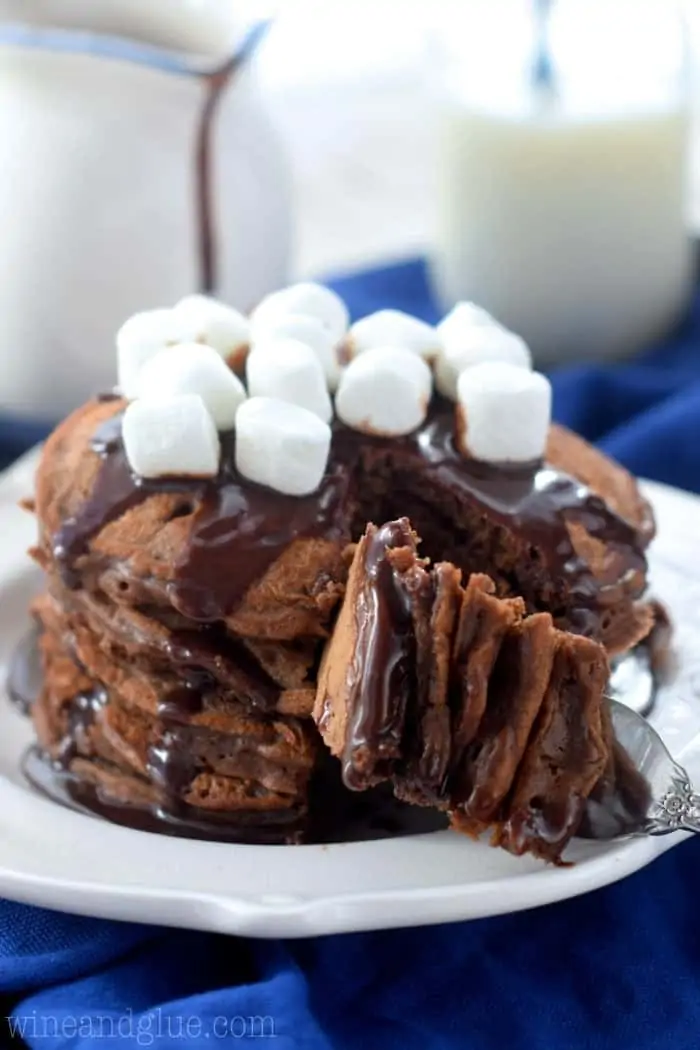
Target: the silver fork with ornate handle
(673, 804)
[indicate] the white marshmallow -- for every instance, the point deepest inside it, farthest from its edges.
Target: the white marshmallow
(474, 345)
(394, 328)
(138, 340)
(200, 319)
(464, 315)
(290, 371)
(385, 391)
(504, 413)
(281, 445)
(171, 437)
(193, 368)
(312, 300)
(305, 329)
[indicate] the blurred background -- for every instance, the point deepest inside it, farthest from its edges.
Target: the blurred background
(353, 86)
(541, 156)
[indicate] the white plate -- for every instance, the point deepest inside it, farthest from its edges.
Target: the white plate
(60, 859)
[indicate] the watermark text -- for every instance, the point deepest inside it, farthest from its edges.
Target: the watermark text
(143, 1028)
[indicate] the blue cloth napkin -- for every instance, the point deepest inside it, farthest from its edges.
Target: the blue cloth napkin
(618, 969)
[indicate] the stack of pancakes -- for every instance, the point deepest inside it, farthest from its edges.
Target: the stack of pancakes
(208, 725)
(460, 699)
(194, 744)
(184, 625)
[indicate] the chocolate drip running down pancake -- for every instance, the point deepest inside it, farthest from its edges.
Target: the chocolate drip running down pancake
(212, 770)
(223, 775)
(185, 620)
(204, 544)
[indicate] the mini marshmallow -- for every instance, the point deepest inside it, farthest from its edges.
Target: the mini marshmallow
(464, 315)
(201, 319)
(289, 370)
(503, 413)
(193, 368)
(138, 340)
(312, 300)
(281, 445)
(171, 437)
(478, 344)
(394, 328)
(308, 330)
(385, 391)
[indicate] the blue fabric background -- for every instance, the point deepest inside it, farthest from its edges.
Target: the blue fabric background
(617, 969)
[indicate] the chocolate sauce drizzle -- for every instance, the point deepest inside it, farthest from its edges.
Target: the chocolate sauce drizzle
(381, 674)
(238, 529)
(171, 766)
(199, 657)
(336, 814)
(539, 503)
(216, 84)
(61, 785)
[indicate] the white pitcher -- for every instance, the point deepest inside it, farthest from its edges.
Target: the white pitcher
(137, 164)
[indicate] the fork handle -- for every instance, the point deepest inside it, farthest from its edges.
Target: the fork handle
(678, 809)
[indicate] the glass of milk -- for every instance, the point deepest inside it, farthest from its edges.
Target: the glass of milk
(563, 159)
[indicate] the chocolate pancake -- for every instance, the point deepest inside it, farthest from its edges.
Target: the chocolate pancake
(513, 723)
(566, 756)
